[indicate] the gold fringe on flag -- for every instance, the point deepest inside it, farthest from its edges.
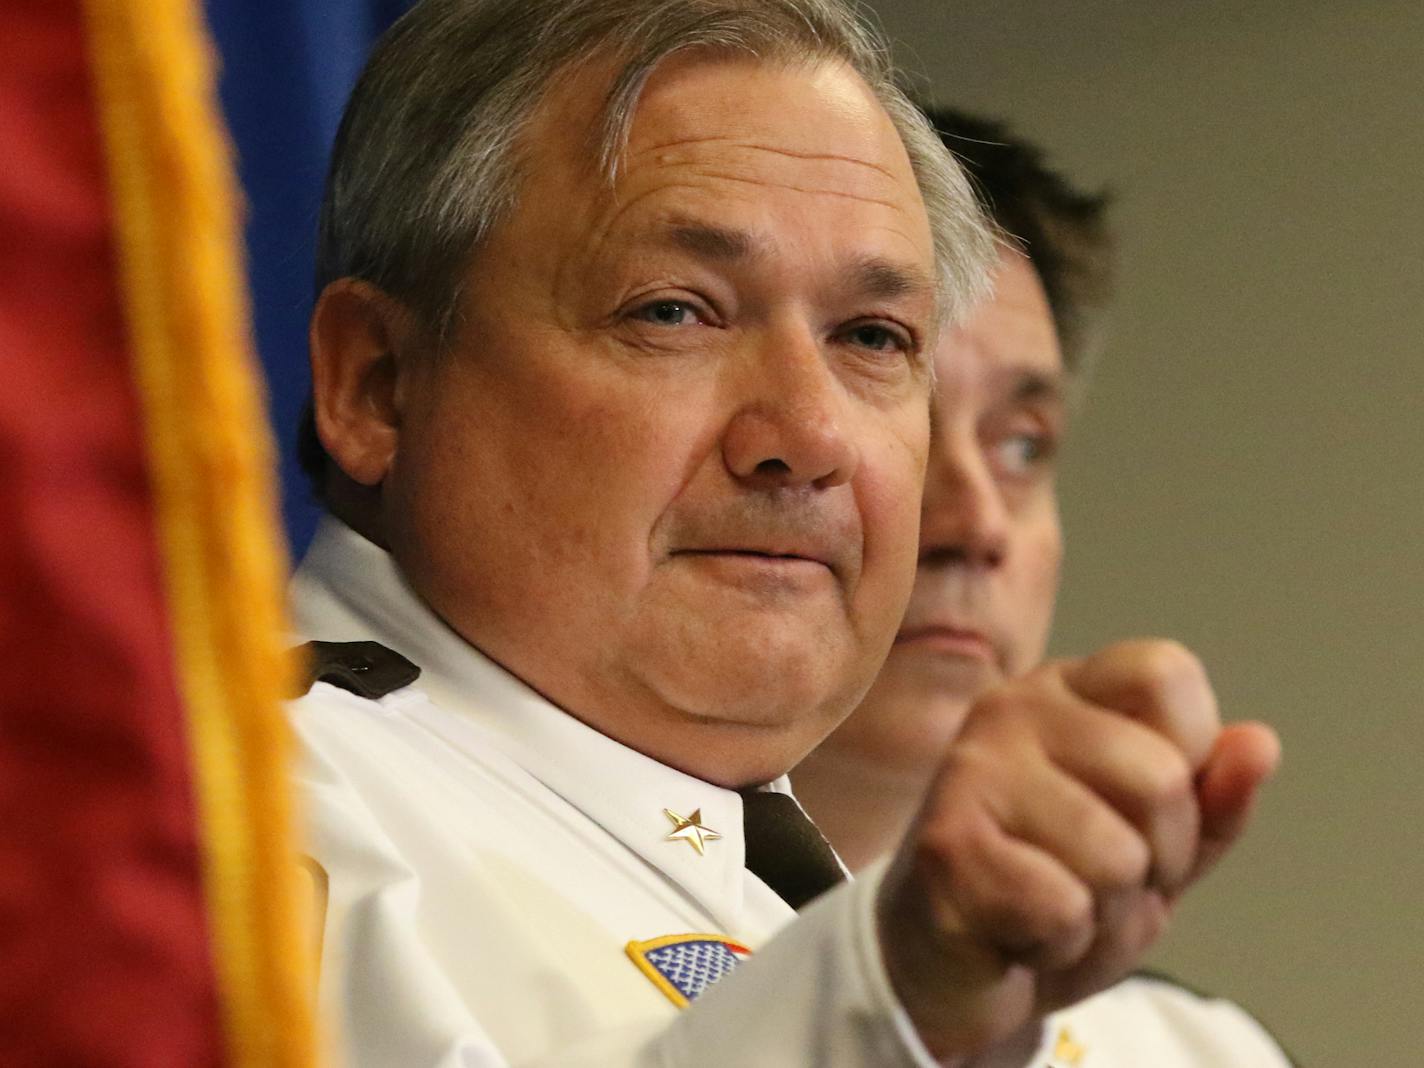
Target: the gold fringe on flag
(176, 210)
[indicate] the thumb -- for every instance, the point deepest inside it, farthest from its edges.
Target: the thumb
(1243, 758)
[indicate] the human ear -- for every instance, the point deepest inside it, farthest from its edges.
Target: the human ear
(360, 340)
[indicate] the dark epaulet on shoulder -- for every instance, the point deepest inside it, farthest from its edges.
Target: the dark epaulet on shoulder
(1171, 980)
(367, 669)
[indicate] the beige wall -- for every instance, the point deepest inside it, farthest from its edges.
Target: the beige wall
(1249, 474)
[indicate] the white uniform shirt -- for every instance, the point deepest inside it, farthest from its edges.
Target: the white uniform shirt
(485, 860)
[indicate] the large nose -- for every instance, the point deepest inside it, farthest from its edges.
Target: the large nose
(790, 424)
(965, 519)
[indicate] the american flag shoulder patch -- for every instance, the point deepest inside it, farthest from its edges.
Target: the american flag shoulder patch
(682, 966)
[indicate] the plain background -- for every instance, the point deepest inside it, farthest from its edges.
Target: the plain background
(1246, 473)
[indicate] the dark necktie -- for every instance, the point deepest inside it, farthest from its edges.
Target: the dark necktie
(784, 849)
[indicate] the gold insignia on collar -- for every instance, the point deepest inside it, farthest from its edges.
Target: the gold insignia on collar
(689, 829)
(1066, 1050)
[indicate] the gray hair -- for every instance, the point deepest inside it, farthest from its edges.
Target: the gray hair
(424, 164)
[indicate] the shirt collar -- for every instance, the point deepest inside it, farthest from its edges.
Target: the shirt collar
(349, 589)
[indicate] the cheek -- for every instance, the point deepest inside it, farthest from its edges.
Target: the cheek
(1048, 557)
(575, 466)
(1039, 562)
(631, 457)
(514, 482)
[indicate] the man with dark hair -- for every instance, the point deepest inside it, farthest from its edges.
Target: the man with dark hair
(1062, 230)
(621, 382)
(990, 548)
(990, 537)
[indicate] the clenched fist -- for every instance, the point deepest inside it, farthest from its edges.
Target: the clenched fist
(1073, 808)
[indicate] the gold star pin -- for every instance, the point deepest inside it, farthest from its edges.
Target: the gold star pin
(1066, 1050)
(689, 829)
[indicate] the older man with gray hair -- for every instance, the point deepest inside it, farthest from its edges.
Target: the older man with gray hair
(621, 369)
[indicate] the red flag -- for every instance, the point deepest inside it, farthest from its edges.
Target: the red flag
(146, 905)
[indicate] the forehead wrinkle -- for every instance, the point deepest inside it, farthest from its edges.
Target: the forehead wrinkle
(825, 157)
(863, 198)
(875, 275)
(817, 157)
(600, 233)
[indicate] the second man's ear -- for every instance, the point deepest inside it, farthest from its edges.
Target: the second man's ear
(359, 336)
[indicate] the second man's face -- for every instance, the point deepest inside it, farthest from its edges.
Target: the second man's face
(990, 541)
(669, 473)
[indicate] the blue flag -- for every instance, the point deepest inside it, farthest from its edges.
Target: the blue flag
(287, 67)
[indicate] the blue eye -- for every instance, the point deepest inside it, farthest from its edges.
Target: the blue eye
(1021, 453)
(667, 313)
(878, 338)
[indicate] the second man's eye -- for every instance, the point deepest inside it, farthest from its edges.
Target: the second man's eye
(1020, 454)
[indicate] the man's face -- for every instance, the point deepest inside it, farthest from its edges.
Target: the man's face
(669, 473)
(990, 541)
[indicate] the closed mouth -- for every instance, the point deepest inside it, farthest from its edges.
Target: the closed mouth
(760, 569)
(958, 641)
(754, 554)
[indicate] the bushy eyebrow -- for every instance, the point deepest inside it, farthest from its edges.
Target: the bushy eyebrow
(717, 243)
(881, 278)
(1029, 387)
(1040, 386)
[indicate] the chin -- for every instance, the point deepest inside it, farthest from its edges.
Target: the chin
(777, 679)
(908, 717)
(938, 677)
(780, 686)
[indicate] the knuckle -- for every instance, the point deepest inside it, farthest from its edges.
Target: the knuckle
(1062, 922)
(1000, 733)
(1167, 782)
(1170, 654)
(1036, 917)
(959, 835)
(1009, 921)
(1124, 860)
(1002, 908)
(1150, 674)
(1173, 668)
(1113, 854)
(1039, 919)
(1106, 853)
